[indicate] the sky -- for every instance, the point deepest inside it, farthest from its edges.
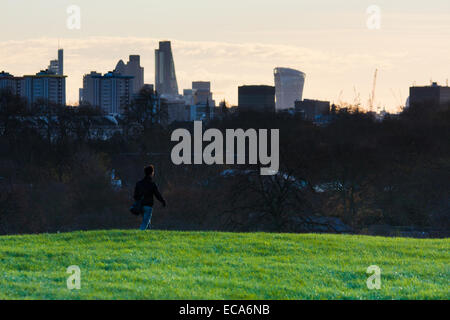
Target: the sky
(337, 43)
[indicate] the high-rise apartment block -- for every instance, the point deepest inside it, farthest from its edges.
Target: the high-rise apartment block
(42, 87)
(11, 83)
(111, 91)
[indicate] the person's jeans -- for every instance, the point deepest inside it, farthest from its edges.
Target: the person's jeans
(146, 222)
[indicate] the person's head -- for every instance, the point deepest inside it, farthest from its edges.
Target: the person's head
(149, 171)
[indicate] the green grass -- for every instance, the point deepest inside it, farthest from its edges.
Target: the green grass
(202, 265)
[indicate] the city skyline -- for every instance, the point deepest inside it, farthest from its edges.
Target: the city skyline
(236, 45)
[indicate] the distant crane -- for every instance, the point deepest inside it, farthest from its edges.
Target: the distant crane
(372, 98)
(398, 100)
(357, 100)
(340, 98)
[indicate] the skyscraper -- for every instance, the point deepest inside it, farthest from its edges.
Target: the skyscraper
(61, 62)
(133, 69)
(57, 66)
(289, 85)
(165, 77)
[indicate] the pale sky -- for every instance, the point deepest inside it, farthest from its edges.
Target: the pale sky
(237, 42)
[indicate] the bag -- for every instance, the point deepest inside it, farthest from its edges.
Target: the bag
(136, 208)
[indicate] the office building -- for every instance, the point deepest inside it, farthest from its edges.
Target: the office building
(132, 69)
(61, 62)
(53, 67)
(201, 91)
(432, 96)
(289, 85)
(165, 76)
(200, 112)
(188, 96)
(312, 110)
(174, 110)
(257, 98)
(199, 101)
(111, 91)
(201, 85)
(57, 66)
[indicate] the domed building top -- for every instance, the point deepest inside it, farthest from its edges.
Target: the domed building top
(120, 67)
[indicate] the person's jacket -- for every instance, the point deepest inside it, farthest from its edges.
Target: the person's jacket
(144, 191)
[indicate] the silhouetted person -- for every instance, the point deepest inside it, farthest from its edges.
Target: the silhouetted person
(144, 191)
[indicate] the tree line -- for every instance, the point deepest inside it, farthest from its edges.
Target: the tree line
(56, 164)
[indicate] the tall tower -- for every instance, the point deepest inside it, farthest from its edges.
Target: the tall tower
(61, 62)
(132, 68)
(165, 77)
(289, 85)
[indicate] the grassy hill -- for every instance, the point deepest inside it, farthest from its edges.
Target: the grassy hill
(201, 265)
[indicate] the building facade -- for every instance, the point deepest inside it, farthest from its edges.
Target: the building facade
(202, 94)
(11, 83)
(44, 87)
(165, 76)
(132, 69)
(200, 112)
(312, 110)
(257, 98)
(61, 62)
(434, 95)
(289, 84)
(57, 66)
(111, 92)
(200, 105)
(174, 109)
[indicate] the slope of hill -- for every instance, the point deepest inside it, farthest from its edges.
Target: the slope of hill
(202, 265)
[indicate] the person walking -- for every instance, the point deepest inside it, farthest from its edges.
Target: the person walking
(144, 192)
